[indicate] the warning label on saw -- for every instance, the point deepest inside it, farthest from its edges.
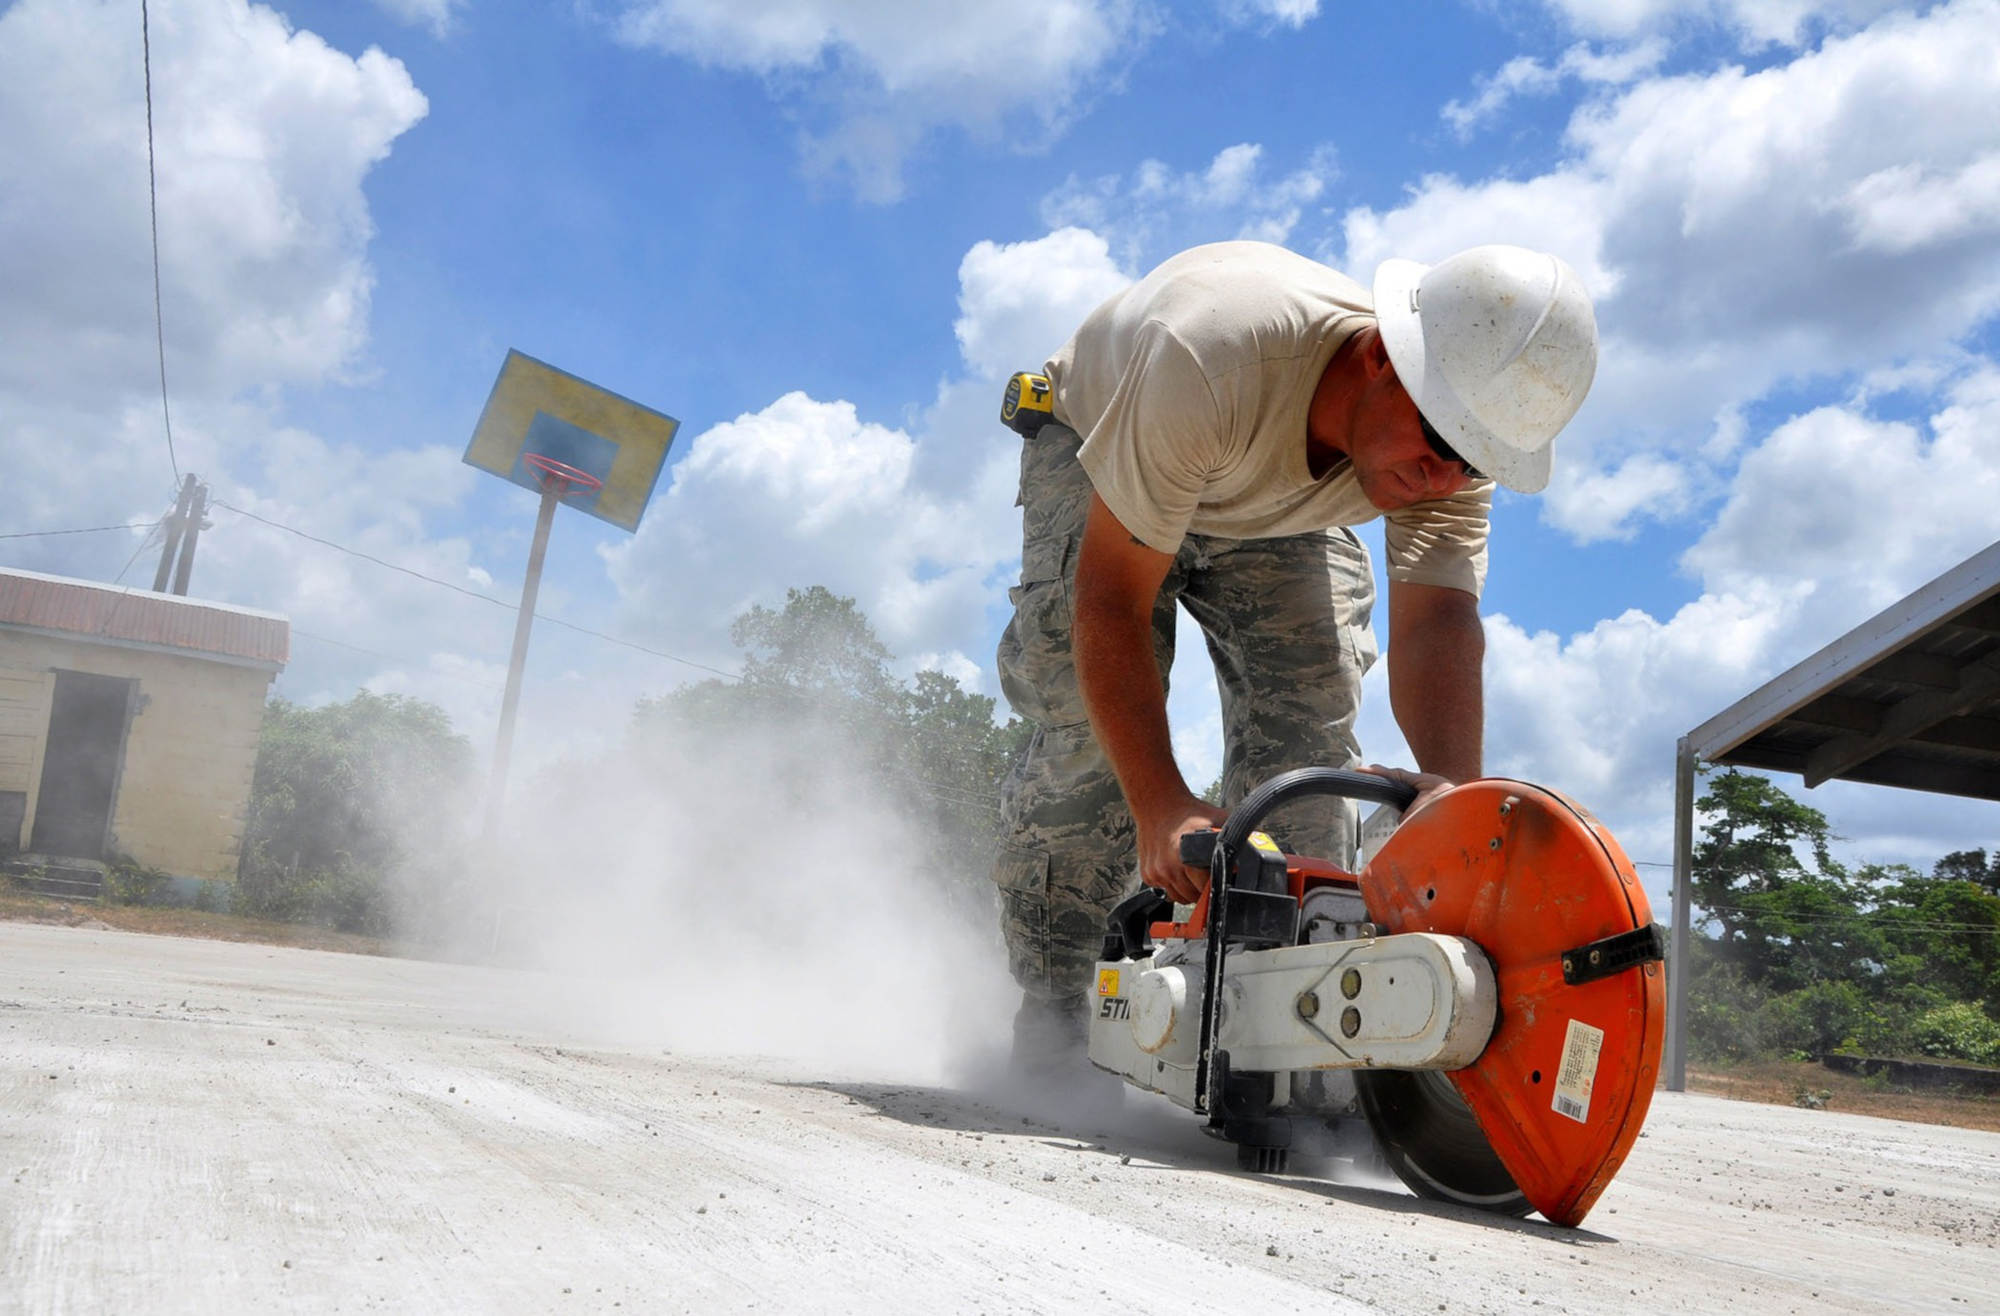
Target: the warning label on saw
(1581, 1047)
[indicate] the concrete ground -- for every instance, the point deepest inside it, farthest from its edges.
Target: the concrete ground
(205, 1126)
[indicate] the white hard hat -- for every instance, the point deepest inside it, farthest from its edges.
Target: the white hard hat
(1497, 346)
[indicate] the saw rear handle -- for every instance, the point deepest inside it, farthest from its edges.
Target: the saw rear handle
(1253, 871)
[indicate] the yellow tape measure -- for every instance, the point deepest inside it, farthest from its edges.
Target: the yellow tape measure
(1028, 404)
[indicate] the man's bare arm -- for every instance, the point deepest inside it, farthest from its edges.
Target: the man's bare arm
(1436, 646)
(1117, 582)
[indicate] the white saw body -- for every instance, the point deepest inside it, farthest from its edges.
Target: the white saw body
(1415, 1001)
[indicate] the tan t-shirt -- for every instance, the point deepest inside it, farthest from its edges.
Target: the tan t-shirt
(1191, 387)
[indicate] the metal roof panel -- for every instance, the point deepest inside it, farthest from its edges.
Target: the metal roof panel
(116, 614)
(1907, 698)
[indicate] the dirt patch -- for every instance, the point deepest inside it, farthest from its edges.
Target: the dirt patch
(26, 907)
(1808, 1083)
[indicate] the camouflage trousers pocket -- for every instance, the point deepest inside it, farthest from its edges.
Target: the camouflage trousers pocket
(1023, 878)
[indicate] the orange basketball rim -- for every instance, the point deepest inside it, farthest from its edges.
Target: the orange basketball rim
(1528, 875)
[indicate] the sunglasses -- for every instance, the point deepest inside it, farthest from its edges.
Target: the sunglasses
(1445, 451)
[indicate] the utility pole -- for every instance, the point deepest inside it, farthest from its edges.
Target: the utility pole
(197, 509)
(176, 521)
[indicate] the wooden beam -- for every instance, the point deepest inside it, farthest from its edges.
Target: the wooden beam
(1765, 757)
(1938, 778)
(1909, 668)
(1976, 733)
(1842, 714)
(1980, 617)
(1901, 721)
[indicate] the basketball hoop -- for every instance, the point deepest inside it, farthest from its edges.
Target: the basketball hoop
(560, 479)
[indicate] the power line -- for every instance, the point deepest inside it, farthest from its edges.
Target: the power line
(80, 530)
(1878, 918)
(632, 644)
(377, 653)
(473, 593)
(947, 793)
(144, 544)
(153, 213)
(366, 557)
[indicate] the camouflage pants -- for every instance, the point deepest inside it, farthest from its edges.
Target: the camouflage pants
(1287, 627)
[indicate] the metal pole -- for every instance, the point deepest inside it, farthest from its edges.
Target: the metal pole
(496, 786)
(197, 509)
(1683, 929)
(175, 523)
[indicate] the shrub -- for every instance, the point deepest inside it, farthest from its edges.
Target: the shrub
(128, 882)
(1724, 1009)
(1958, 1031)
(1813, 1020)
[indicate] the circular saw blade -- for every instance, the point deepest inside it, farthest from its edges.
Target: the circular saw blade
(1428, 1136)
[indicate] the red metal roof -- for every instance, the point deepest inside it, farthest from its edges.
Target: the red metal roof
(117, 615)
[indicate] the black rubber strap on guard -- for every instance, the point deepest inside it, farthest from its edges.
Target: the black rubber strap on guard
(1601, 959)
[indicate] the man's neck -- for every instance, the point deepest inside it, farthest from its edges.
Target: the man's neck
(1330, 414)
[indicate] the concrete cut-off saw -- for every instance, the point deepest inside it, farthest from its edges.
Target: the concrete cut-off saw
(1486, 994)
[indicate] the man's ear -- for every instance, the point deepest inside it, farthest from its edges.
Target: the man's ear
(1374, 354)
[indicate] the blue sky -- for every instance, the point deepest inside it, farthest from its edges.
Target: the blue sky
(820, 231)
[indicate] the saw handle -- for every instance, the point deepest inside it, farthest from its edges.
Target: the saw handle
(1128, 932)
(1300, 782)
(1198, 847)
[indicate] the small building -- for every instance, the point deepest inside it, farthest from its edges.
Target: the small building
(128, 725)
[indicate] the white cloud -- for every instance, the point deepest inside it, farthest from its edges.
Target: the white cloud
(818, 459)
(1276, 13)
(878, 76)
(1743, 230)
(1867, 507)
(1907, 207)
(806, 492)
(1560, 211)
(439, 17)
(1158, 210)
(1018, 302)
(1756, 23)
(1524, 75)
(1607, 504)
(263, 136)
(969, 674)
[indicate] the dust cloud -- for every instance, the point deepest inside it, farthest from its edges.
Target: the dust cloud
(757, 899)
(765, 900)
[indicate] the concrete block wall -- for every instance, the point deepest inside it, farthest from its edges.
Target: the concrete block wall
(189, 753)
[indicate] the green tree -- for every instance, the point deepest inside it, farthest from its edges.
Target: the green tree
(819, 646)
(955, 757)
(1809, 958)
(345, 800)
(1776, 917)
(1970, 866)
(1941, 931)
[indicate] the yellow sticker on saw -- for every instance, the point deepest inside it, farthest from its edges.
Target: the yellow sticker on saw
(1582, 1045)
(1107, 982)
